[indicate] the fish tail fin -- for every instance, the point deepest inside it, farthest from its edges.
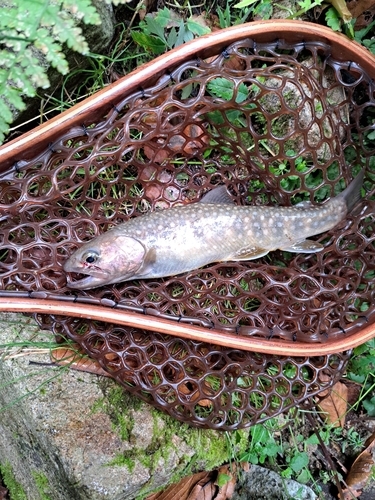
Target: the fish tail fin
(352, 194)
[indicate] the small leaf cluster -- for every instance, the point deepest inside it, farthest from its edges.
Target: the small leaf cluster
(361, 369)
(29, 30)
(264, 446)
(165, 30)
(261, 8)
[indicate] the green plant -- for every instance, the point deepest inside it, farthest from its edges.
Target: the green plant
(361, 36)
(165, 30)
(28, 30)
(261, 8)
(229, 17)
(361, 369)
(262, 446)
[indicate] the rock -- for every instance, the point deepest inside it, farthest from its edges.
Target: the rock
(260, 483)
(73, 435)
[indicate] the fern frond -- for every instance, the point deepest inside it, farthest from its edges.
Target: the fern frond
(82, 9)
(45, 25)
(51, 50)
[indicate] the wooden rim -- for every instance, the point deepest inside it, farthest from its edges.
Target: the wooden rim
(33, 142)
(191, 332)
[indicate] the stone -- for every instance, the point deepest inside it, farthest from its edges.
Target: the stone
(72, 435)
(263, 484)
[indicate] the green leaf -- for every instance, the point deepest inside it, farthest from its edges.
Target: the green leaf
(264, 9)
(333, 19)
(244, 3)
(180, 34)
(305, 4)
(303, 477)
(313, 439)
(154, 27)
(188, 36)
(172, 38)
(163, 17)
(197, 28)
(149, 42)
(369, 405)
(299, 461)
(363, 365)
(356, 378)
(224, 88)
(259, 434)
(223, 479)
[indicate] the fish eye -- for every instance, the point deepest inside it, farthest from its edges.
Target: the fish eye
(90, 257)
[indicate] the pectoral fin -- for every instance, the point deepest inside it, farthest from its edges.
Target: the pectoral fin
(249, 253)
(304, 246)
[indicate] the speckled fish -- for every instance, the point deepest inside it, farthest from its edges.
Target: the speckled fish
(183, 238)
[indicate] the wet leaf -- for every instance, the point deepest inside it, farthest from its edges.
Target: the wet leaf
(335, 405)
(360, 471)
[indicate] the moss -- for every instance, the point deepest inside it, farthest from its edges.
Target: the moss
(122, 460)
(16, 492)
(42, 484)
(118, 404)
(210, 449)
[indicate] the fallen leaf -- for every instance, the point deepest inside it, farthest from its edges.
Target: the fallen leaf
(358, 7)
(3, 492)
(354, 390)
(230, 476)
(335, 405)
(184, 489)
(360, 471)
(218, 484)
(77, 361)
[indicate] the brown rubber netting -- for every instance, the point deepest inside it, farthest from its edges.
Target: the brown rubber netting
(277, 124)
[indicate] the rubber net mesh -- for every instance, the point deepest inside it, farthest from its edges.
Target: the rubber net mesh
(277, 124)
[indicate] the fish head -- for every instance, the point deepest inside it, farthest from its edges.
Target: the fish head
(108, 259)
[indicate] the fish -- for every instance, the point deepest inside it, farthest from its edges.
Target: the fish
(184, 238)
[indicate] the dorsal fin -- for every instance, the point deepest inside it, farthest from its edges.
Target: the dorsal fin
(217, 195)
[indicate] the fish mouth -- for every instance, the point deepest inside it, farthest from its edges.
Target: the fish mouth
(80, 281)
